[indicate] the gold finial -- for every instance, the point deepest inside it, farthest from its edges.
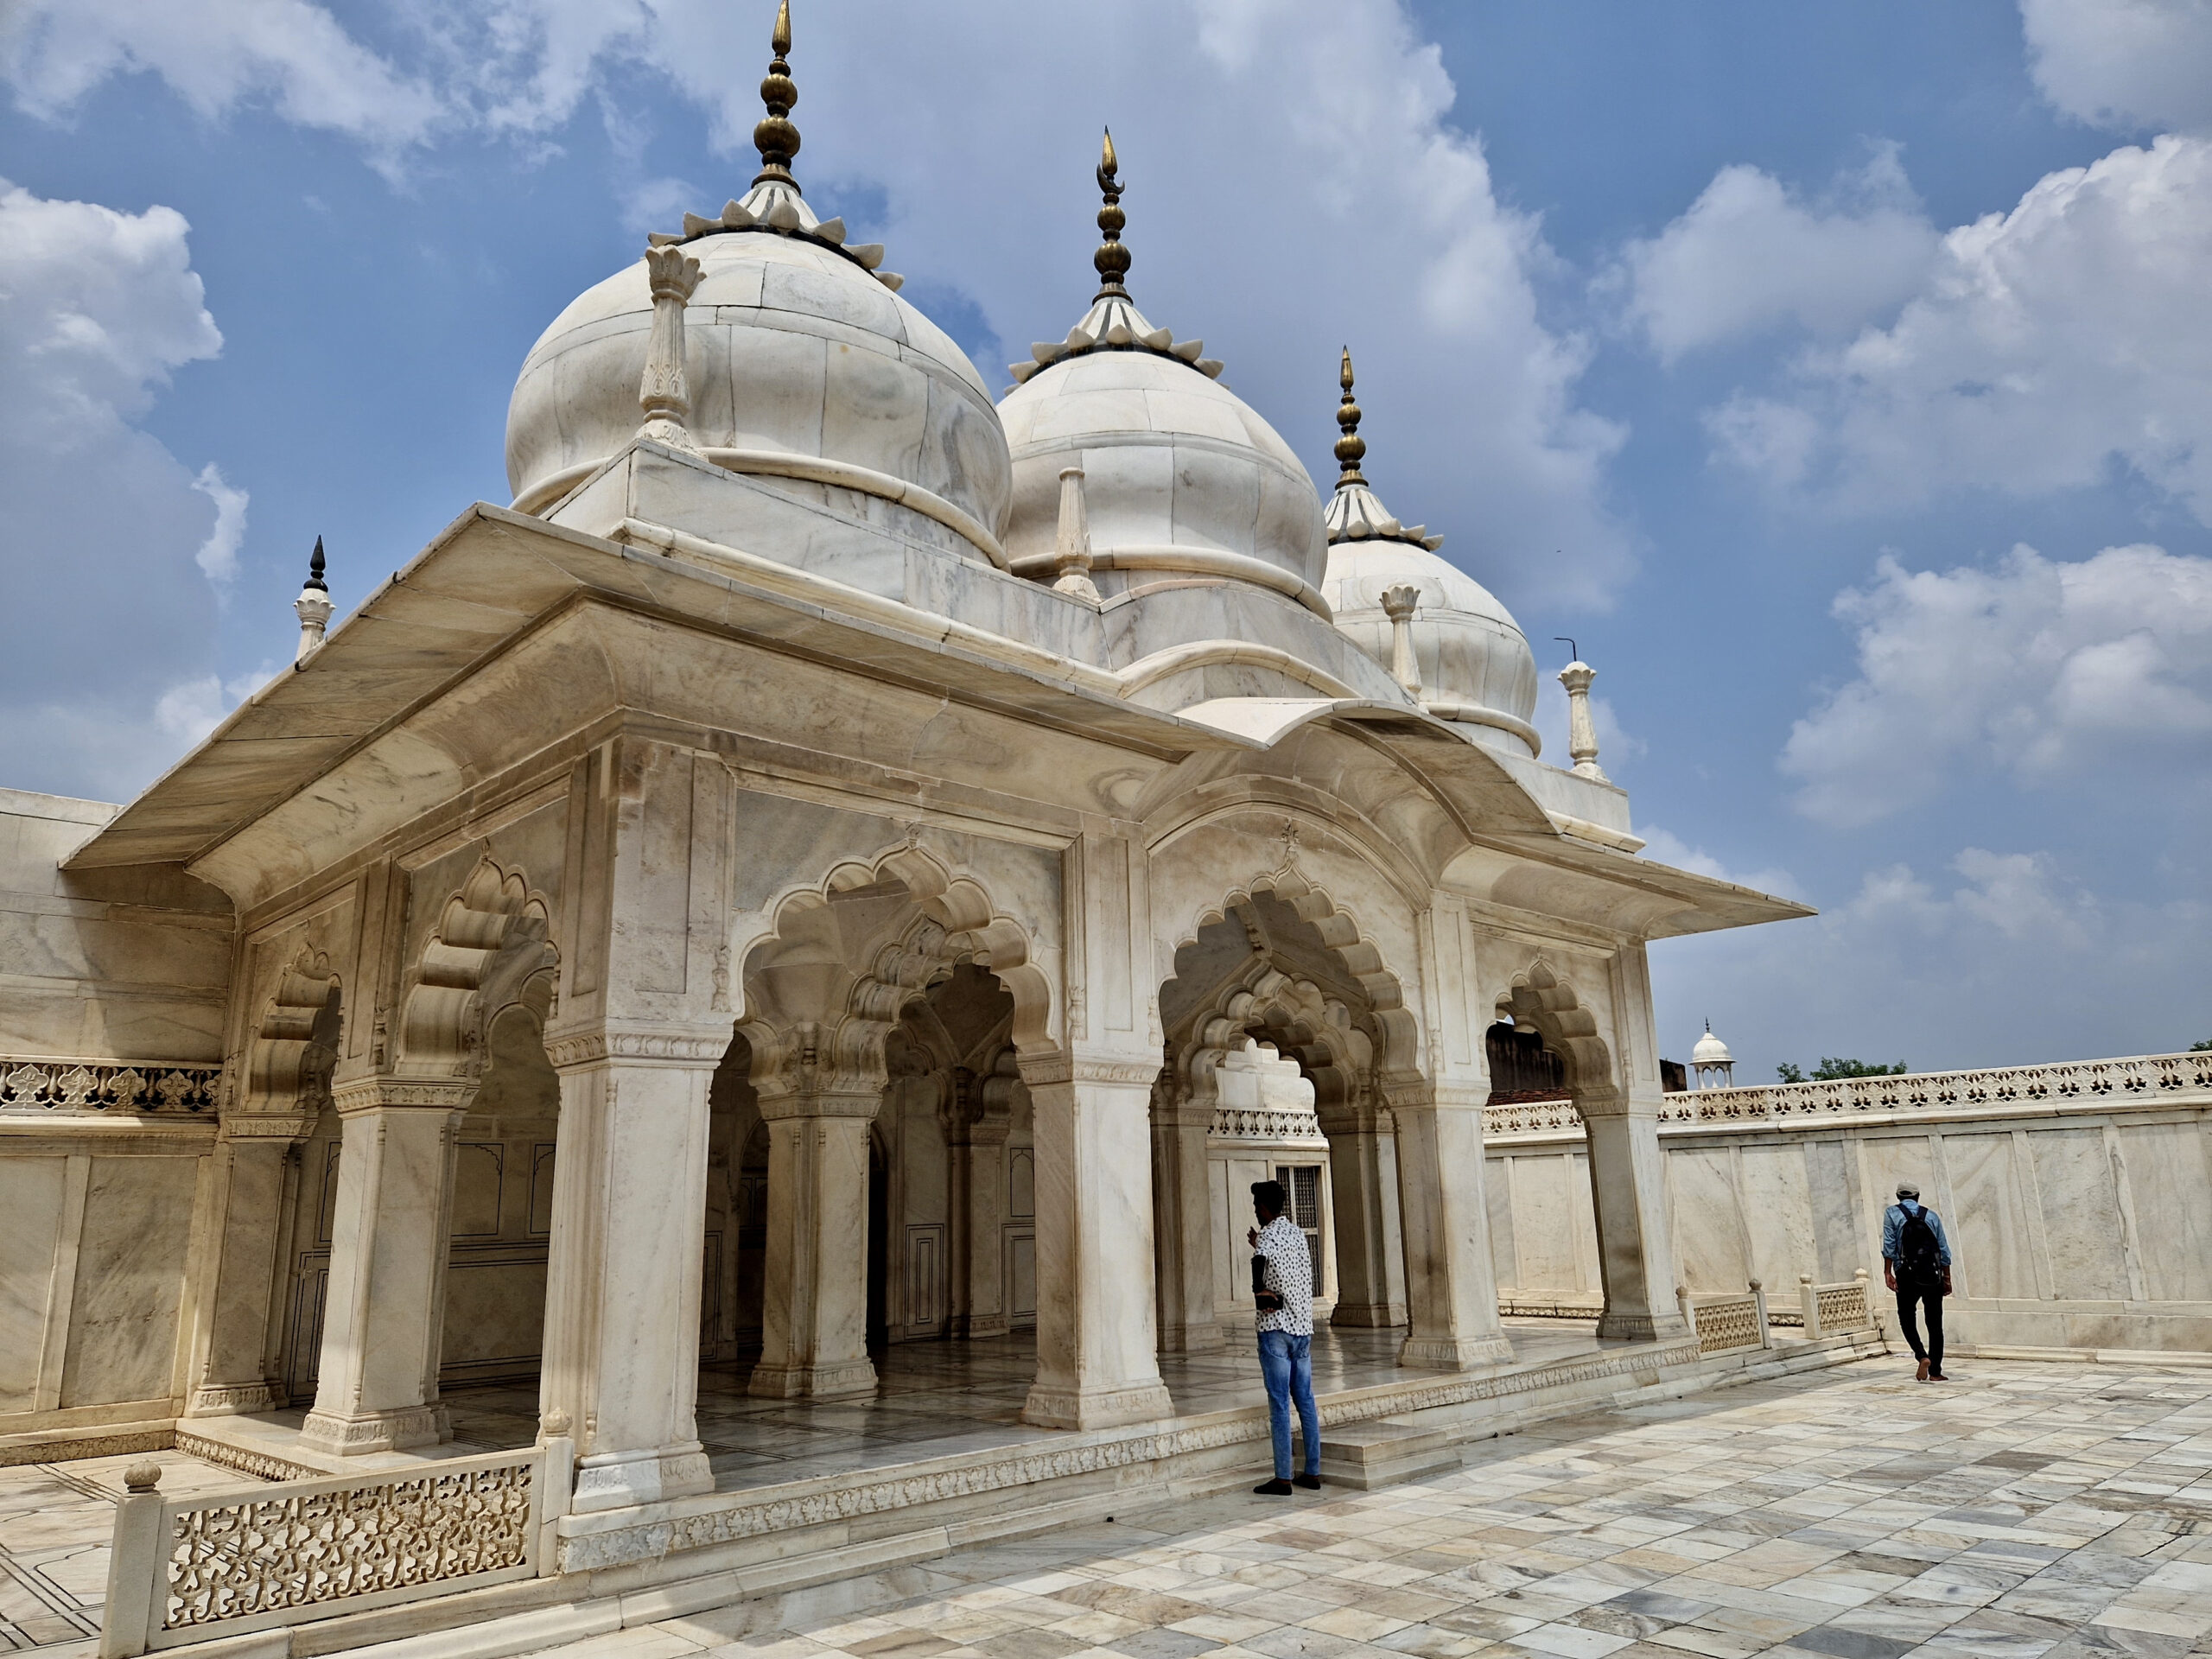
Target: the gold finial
(1351, 446)
(1112, 260)
(776, 138)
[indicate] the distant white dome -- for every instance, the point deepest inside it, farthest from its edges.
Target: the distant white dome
(1711, 1050)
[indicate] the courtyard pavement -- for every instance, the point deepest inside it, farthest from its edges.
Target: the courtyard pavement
(2021, 1511)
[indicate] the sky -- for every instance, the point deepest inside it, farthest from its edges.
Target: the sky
(1838, 376)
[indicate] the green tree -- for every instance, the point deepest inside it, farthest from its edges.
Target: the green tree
(1790, 1074)
(1830, 1070)
(2204, 1047)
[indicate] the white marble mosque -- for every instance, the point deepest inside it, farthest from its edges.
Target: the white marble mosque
(720, 1024)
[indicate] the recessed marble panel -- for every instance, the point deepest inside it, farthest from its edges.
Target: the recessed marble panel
(1992, 1252)
(131, 1264)
(2080, 1214)
(2172, 1190)
(31, 1198)
(1543, 1233)
(1778, 1214)
(1706, 1215)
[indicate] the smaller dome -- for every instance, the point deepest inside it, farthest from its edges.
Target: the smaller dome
(1473, 662)
(1711, 1050)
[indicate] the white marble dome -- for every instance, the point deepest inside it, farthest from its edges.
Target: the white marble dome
(1177, 468)
(790, 346)
(1711, 1050)
(1475, 664)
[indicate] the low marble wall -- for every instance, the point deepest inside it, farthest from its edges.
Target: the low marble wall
(2078, 1198)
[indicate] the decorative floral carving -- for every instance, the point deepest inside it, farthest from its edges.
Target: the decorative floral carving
(95, 1088)
(236, 1558)
(2149, 1079)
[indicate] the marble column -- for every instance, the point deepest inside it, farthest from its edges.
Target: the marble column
(814, 1300)
(257, 1172)
(622, 1361)
(975, 1134)
(1451, 1290)
(1628, 1190)
(1183, 1220)
(1096, 1365)
(383, 1315)
(1364, 1182)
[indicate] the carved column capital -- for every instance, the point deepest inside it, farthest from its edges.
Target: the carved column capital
(683, 1046)
(360, 1095)
(664, 394)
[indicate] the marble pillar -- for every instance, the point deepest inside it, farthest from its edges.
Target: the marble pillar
(1183, 1221)
(622, 1361)
(814, 1301)
(383, 1316)
(1628, 1189)
(1451, 1289)
(976, 1136)
(256, 1173)
(1364, 1183)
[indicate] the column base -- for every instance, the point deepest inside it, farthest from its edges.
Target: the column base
(1101, 1408)
(1368, 1316)
(376, 1431)
(1453, 1353)
(231, 1400)
(1204, 1339)
(843, 1381)
(1642, 1327)
(615, 1480)
(974, 1327)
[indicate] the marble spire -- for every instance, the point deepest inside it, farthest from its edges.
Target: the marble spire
(774, 202)
(1353, 512)
(312, 606)
(1114, 323)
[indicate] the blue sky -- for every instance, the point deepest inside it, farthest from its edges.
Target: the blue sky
(1839, 376)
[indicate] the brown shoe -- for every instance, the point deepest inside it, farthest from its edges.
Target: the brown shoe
(1923, 1377)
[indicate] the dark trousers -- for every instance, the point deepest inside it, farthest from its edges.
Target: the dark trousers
(1930, 1299)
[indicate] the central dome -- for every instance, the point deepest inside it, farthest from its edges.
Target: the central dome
(795, 345)
(1181, 477)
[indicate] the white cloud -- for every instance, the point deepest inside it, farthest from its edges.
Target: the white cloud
(1750, 255)
(216, 54)
(190, 709)
(1294, 184)
(2006, 960)
(2047, 346)
(105, 602)
(2045, 670)
(219, 554)
(2123, 63)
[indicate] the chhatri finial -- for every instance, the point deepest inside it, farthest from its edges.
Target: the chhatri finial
(312, 606)
(776, 138)
(1351, 446)
(1112, 259)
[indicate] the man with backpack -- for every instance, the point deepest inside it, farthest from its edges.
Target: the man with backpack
(1916, 1264)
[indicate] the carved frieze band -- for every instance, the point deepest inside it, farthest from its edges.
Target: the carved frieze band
(669, 1047)
(1266, 1124)
(57, 1088)
(2147, 1079)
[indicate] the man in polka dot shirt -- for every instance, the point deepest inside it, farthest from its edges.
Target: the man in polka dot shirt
(1283, 1288)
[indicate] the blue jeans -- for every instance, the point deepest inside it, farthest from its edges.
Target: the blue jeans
(1287, 1364)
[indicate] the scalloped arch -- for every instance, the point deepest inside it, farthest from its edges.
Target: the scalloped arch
(491, 931)
(1549, 1002)
(1340, 931)
(285, 1059)
(819, 1006)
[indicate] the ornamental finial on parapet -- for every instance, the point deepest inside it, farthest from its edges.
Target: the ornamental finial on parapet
(775, 138)
(312, 606)
(1351, 447)
(1112, 260)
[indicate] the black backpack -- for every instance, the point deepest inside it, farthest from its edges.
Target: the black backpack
(1918, 1255)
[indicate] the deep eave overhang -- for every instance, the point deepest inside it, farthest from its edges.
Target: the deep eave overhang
(494, 576)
